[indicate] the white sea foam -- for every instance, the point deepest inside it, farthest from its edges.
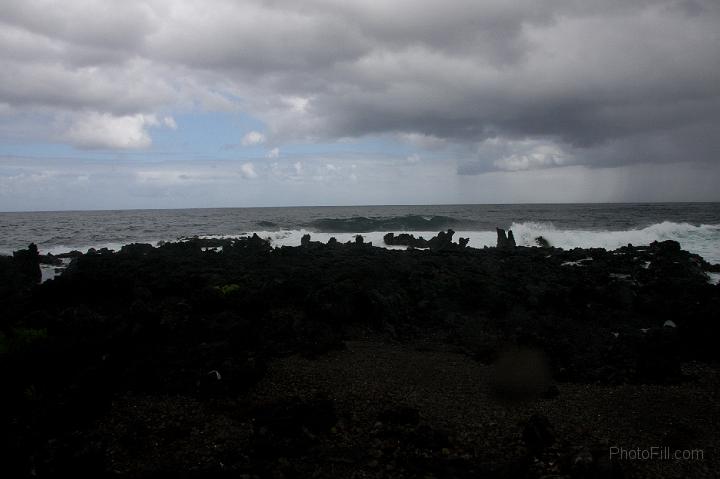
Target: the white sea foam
(580, 262)
(703, 240)
(47, 272)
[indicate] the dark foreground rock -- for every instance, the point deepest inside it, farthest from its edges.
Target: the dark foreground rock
(442, 242)
(193, 328)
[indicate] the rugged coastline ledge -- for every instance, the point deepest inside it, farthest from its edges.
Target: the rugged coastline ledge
(229, 358)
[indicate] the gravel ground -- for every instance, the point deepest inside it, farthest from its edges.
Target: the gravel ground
(453, 392)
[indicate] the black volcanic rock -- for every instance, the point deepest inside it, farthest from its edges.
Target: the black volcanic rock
(504, 240)
(49, 259)
(27, 263)
(183, 321)
(405, 239)
(442, 241)
(587, 307)
(542, 242)
(138, 249)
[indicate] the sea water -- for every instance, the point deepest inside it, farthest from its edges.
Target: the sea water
(696, 226)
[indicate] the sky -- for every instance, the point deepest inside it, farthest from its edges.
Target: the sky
(212, 103)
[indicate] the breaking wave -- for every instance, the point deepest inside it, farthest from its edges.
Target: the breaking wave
(700, 239)
(703, 239)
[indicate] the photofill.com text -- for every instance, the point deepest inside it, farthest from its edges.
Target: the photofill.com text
(660, 453)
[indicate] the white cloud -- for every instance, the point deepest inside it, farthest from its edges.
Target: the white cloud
(414, 158)
(102, 130)
(517, 155)
(247, 170)
(274, 153)
(169, 122)
(535, 157)
(253, 138)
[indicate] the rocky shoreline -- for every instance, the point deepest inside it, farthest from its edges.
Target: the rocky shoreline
(230, 358)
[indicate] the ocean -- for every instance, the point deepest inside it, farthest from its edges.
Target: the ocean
(696, 226)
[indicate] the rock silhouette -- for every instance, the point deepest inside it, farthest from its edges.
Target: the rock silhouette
(505, 241)
(152, 345)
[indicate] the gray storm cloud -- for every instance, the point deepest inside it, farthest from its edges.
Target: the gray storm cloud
(509, 85)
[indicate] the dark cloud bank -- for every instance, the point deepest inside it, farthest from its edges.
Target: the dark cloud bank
(500, 85)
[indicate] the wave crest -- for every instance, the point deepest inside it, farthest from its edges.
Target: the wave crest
(701, 239)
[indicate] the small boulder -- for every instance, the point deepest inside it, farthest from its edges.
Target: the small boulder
(542, 242)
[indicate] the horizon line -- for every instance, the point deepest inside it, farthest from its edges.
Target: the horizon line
(361, 206)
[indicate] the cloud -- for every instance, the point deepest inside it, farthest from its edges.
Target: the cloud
(169, 122)
(585, 83)
(247, 171)
(274, 153)
(515, 155)
(101, 130)
(253, 138)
